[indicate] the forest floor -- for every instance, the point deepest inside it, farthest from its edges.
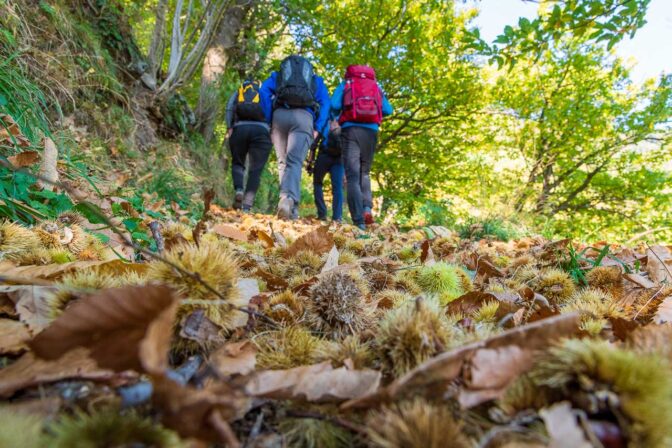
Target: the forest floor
(250, 331)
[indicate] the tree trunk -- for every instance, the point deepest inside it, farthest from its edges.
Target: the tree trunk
(214, 65)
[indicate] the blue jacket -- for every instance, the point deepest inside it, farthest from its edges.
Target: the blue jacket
(337, 105)
(267, 94)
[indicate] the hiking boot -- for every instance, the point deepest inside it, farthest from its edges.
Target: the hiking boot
(285, 207)
(361, 227)
(238, 200)
(368, 217)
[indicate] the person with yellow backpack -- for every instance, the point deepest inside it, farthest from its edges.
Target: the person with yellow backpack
(249, 137)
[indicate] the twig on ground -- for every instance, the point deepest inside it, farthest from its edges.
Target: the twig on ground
(223, 429)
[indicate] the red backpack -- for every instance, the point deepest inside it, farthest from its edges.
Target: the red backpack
(362, 99)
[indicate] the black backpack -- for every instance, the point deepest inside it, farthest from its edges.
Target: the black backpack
(295, 86)
(333, 147)
(247, 105)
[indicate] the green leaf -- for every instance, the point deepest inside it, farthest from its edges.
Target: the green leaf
(142, 236)
(91, 212)
(131, 224)
(102, 237)
(508, 30)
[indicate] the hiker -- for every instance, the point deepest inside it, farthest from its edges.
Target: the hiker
(249, 137)
(296, 102)
(362, 106)
(328, 161)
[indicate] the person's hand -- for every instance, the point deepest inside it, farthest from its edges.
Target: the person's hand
(315, 134)
(229, 132)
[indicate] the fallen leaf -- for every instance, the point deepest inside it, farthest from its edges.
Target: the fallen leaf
(332, 260)
(48, 169)
(112, 324)
(316, 383)
(55, 271)
(24, 159)
(639, 280)
(563, 427)
(264, 237)
(472, 301)
(437, 375)
(230, 232)
(319, 241)
(187, 410)
(234, 358)
(427, 256)
(31, 305)
(197, 327)
(621, 328)
(273, 282)
(13, 337)
(30, 371)
(659, 264)
(128, 208)
(664, 312)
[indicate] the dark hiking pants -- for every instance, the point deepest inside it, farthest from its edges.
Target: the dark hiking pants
(334, 166)
(359, 145)
(253, 141)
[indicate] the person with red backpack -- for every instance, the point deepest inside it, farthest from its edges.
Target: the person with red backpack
(296, 102)
(249, 137)
(362, 105)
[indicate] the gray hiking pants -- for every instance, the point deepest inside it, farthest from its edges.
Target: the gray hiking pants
(292, 135)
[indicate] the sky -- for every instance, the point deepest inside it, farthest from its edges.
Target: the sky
(651, 48)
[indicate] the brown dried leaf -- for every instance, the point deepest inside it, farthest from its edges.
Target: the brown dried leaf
(427, 256)
(187, 410)
(197, 327)
(55, 271)
(30, 371)
(511, 351)
(264, 237)
(113, 324)
(639, 280)
(664, 312)
(472, 301)
(317, 383)
(13, 337)
(31, 304)
(273, 282)
(486, 269)
(659, 264)
(231, 232)
(24, 159)
(319, 241)
(234, 358)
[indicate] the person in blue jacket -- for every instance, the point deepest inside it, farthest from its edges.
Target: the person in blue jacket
(297, 105)
(329, 160)
(359, 142)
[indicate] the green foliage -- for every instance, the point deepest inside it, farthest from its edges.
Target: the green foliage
(599, 21)
(491, 228)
